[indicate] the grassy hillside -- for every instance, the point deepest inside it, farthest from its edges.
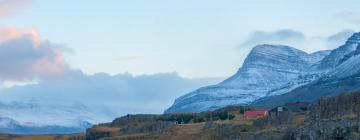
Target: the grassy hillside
(329, 118)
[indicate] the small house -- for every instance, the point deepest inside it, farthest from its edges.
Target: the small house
(289, 108)
(278, 111)
(255, 113)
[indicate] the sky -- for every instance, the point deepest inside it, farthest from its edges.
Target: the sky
(202, 38)
(47, 47)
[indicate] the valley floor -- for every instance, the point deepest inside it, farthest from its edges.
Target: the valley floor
(330, 118)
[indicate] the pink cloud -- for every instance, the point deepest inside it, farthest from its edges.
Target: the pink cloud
(23, 56)
(9, 33)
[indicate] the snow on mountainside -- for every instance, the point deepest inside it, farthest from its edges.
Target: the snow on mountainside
(8, 125)
(336, 57)
(321, 68)
(31, 118)
(272, 70)
(303, 78)
(265, 68)
(336, 73)
(349, 67)
(345, 78)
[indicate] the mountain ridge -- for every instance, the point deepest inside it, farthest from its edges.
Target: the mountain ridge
(253, 80)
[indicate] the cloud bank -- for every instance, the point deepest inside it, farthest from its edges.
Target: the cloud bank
(119, 94)
(25, 57)
(297, 39)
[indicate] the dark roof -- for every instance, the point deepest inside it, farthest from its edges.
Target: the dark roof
(298, 104)
(276, 109)
(293, 106)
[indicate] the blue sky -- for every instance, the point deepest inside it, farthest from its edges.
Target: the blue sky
(193, 38)
(140, 55)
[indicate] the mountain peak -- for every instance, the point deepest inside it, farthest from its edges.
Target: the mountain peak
(276, 55)
(354, 39)
(268, 50)
(338, 55)
(274, 48)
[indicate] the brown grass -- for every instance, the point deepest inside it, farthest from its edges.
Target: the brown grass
(104, 129)
(182, 132)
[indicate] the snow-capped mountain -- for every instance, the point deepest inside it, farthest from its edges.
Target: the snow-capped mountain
(270, 71)
(339, 55)
(320, 69)
(8, 125)
(32, 118)
(265, 68)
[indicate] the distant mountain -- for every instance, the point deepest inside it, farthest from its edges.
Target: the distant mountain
(274, 74)
(8, 125)
(31, 118)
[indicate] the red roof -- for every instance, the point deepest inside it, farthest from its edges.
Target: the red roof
(256, 113)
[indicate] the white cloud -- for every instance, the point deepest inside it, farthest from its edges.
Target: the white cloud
(276, 37)
(339, 38)
(297, 39)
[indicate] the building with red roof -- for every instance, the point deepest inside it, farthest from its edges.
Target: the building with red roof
(256, 113)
